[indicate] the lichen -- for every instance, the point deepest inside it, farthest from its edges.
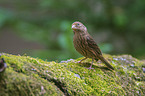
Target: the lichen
(33, 76)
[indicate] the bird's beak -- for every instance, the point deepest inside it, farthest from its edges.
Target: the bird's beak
(73, 27)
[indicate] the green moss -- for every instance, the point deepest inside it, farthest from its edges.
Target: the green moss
(32, 76)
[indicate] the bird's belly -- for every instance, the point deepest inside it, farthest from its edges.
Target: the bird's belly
(81, 47)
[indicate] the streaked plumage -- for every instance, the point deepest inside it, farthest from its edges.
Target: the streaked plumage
(85, 44)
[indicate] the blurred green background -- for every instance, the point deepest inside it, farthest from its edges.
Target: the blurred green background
(42, 28)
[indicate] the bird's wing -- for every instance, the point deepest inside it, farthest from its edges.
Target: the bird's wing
(93, 46)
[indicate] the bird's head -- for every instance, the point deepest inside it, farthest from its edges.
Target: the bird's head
(78, 27)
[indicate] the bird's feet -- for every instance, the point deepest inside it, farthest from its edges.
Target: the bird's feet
(91, 65)
(80, 61)
(90, 68)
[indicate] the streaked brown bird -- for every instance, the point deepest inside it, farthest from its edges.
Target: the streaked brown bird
(85, 45)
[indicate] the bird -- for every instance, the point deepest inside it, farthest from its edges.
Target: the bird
(86, 46)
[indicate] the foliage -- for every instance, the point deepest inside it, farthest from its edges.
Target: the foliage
(49, 22)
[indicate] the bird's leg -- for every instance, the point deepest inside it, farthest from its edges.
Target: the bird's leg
(91, 64)
(82, 60)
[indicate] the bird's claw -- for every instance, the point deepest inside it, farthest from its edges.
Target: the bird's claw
(79, 62)
(90, 68)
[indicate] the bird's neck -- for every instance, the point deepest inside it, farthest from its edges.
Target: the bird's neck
(80, 32)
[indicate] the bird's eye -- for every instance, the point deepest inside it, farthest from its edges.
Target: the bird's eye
(78, 24)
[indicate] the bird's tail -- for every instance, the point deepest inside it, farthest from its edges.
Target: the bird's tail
(105, 62)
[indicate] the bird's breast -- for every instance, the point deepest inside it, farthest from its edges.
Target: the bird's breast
(80, 44)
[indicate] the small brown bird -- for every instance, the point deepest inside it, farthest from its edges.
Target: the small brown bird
(85, 44)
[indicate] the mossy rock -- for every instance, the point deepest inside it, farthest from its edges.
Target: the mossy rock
(26, 76)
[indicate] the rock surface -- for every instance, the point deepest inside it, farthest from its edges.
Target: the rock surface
(27, 76)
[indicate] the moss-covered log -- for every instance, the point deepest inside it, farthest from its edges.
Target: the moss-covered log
(26, 76)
